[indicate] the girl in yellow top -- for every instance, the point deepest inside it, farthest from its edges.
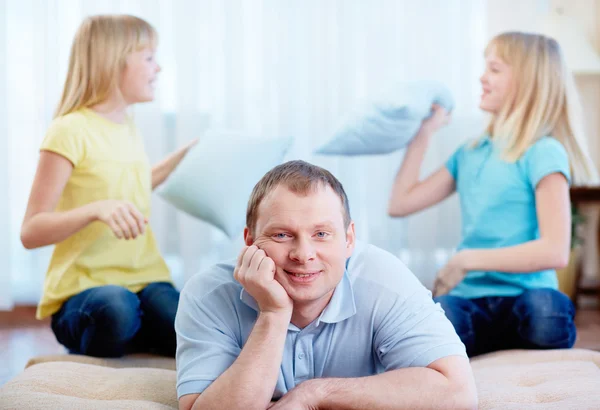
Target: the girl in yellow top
(107, 287)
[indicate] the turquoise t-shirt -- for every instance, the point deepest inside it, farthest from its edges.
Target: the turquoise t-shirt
(497, 200)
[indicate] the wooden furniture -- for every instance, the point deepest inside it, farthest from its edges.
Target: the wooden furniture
(582, 195)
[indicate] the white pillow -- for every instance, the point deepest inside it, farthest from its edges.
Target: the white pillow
(214, 180)
(387, 122)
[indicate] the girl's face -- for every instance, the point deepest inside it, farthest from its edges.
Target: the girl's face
(139, 77)
(496, 83)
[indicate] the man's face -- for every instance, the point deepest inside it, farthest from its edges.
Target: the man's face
(306, 238)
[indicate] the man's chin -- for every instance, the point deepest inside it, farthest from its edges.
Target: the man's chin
(307, 296)
(300, 296)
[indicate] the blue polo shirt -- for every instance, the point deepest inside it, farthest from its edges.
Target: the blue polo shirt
(379, 318)
(497, 200)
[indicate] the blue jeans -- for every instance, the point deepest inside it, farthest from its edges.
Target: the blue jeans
(536, 319)
(110, 321)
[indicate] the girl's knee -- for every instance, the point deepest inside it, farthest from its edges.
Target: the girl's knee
(543, 303)
(546, 319)
(115, 319)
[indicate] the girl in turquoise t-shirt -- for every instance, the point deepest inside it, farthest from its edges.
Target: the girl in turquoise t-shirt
(500, 289)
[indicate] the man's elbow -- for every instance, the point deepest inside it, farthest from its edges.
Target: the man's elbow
(463, 390)
(466, 399)
(460, 390)
(187, 401)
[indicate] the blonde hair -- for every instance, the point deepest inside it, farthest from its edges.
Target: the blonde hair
(544, 101)
(98, 57)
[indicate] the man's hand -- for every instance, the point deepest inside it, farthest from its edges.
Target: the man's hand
(255, 271)
(302, 397)
(450, 275)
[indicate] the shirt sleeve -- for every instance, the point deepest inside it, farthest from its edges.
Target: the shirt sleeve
(452, 162)
(545, 157)
(207, 343)
(63, 138)
(413, 330)
(416, 333)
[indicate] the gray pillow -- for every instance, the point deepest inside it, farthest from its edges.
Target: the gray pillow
(215, 179)
(389, 121)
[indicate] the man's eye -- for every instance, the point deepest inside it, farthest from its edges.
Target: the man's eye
(322, 234)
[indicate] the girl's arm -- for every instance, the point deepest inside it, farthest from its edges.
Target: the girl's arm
(409, 195)
(551, 251)
(43, 226)
(162, 170)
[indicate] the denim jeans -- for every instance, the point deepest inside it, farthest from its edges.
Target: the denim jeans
(110, 321)
(536, 319)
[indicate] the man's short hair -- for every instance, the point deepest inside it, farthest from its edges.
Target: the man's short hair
(301, 178)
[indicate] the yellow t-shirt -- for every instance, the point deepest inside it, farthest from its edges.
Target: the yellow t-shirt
(109, 162)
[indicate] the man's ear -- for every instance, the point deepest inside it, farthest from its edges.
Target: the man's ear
(350, 239)
(248, 239)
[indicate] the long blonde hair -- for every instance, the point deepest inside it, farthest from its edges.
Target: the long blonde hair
(544, 101)
(98, 57)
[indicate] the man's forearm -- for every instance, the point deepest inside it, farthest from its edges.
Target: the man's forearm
(410, 388)
(250, 381)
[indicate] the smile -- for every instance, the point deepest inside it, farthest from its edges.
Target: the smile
(302, 277)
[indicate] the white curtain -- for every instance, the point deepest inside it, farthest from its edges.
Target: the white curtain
(292, 67)
(5, 233)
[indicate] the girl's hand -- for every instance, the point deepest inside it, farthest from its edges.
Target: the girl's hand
(450, 275)
(122, 217)
(439, 117)
(189, 145)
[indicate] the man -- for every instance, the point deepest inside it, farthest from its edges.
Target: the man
(306, 321)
